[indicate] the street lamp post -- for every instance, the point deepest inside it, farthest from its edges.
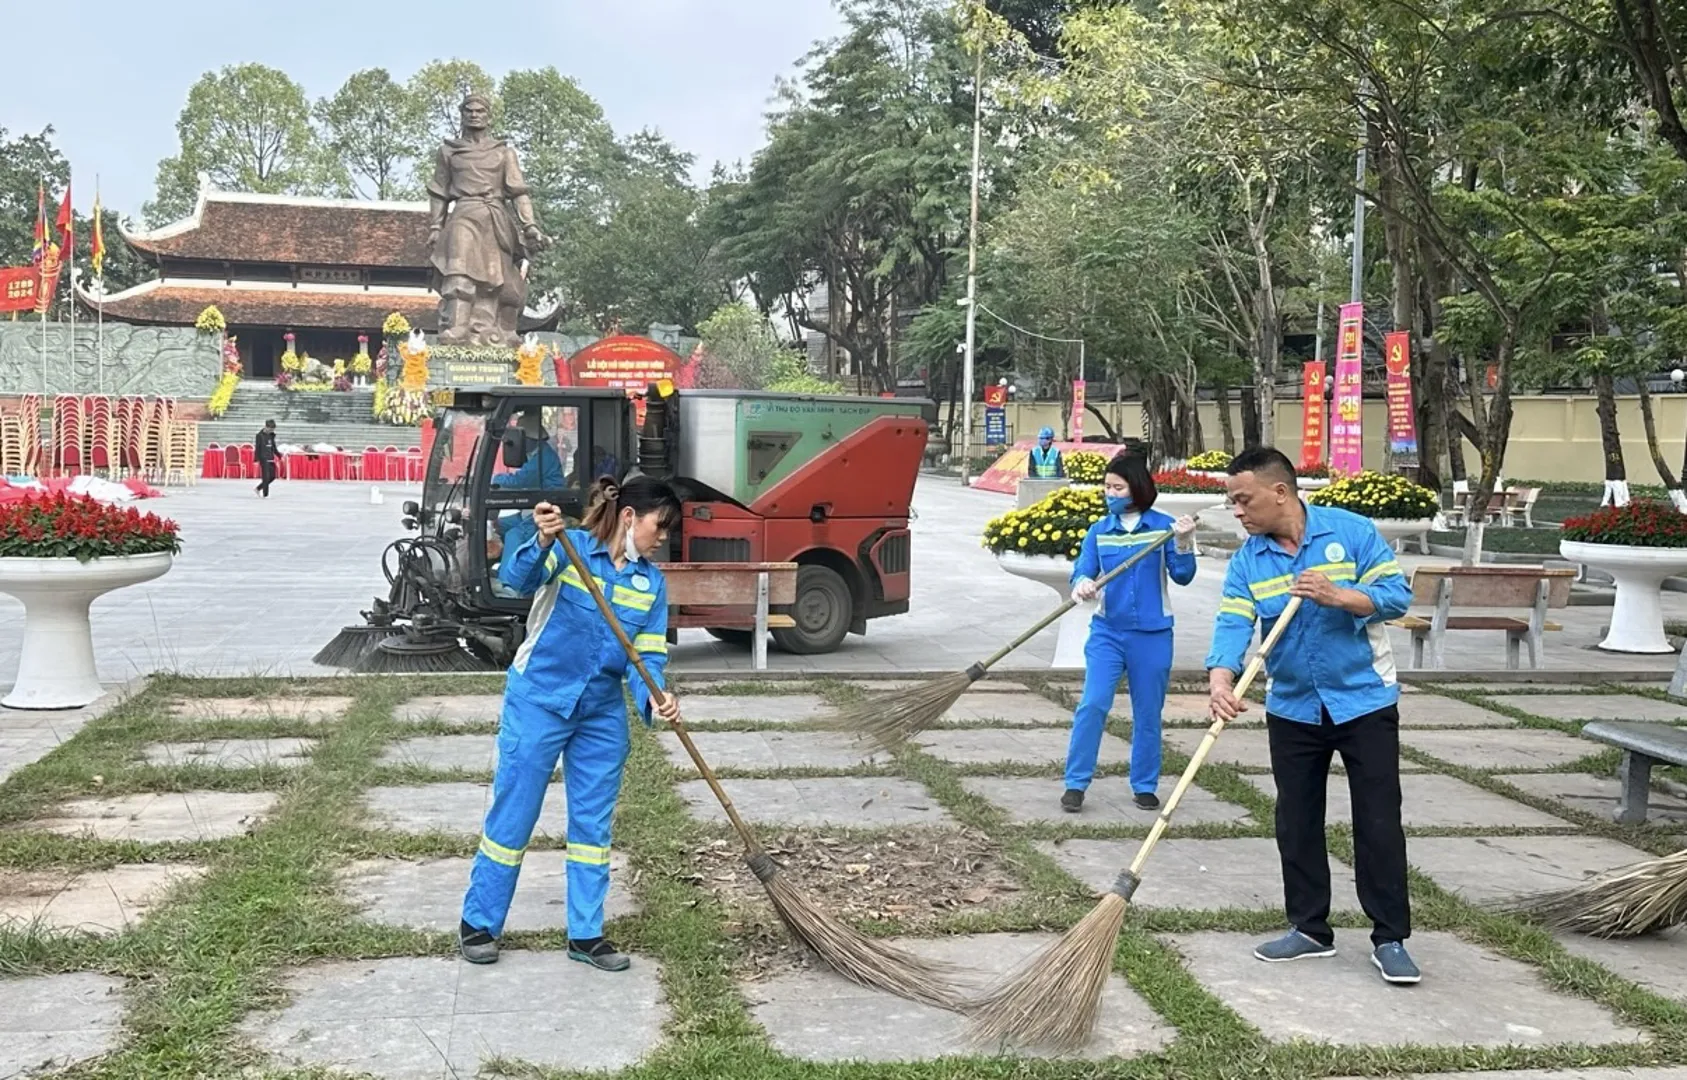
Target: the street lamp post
(972, 268)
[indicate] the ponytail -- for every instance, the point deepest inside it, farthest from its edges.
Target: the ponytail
(642, 494)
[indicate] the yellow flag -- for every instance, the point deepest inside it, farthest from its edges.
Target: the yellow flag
(99, 238)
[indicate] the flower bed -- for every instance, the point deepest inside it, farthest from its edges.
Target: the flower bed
(76, 527)
(1642, 523)
(1209, 461)
(1054, 527)
(1184, 482)
(1086, 467)
(1319, 471)
(1379, 495)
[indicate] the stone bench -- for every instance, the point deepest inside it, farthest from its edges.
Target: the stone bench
(732, 596)
(1643, 745)
(1447, 588)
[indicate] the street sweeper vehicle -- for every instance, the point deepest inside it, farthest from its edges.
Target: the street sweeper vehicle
(824, 482)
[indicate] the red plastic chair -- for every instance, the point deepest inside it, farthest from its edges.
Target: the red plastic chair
(413, 465)
(248, 463)
(211, 467)
(374, 465)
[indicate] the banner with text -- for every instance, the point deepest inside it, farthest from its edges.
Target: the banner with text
(1312, 414)
(1402, 417)
(624, 362)
(18, 285)
(995, 416)
(1078, 410)
(1347, 446)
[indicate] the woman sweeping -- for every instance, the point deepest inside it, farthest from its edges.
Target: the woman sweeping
(1131, 634)
(563, 698)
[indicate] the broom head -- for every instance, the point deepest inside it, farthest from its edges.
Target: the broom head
(860, 959)
(1625, 902)
(401, 656)
(890, 719)
(1053, 998)
(352, 645)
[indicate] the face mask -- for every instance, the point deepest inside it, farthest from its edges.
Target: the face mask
(1119, 504)
(629, 546)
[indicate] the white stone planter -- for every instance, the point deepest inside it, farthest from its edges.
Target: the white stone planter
(1074, 626)
(1178, 504)
(56, 667)
(1637, 618)
(1394, 530)
(1311, 483)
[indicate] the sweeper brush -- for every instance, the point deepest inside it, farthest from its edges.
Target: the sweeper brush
(1627, 902)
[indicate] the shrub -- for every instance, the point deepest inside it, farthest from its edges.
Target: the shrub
(1085, 467)
(1642, 523)
(1184, 482)
(1055, 526)
(1210, 461)
(74, 526)
(1379, 495)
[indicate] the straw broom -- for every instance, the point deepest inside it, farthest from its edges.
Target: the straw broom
(863, 960)
(890, 719)
(1626, 902)
(1053, 999)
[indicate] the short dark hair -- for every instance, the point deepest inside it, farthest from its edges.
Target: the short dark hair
(1265, 460)
(269, 423)
(1133, 470)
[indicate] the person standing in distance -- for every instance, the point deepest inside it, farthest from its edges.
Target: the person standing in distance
(1332, 690)
(263, 449)
(1046, 460)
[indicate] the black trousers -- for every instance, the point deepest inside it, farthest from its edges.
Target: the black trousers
(267, 471)
(1300, 760)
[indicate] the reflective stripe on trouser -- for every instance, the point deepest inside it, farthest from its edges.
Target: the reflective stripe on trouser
(1145, 658)
(592, 744)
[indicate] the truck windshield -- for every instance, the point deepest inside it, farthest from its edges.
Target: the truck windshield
(455, 449)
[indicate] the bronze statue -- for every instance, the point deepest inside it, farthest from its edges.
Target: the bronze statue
(478, 255)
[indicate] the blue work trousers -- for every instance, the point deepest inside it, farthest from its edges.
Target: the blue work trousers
(592, 742)
(1144, 659)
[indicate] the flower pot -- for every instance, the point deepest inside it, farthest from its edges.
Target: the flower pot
(1311, 483)
(1074, 626)
(1394, 530)
(56, 667)
(1031, 491)
(1637, 618)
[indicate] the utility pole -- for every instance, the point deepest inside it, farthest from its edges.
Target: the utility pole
(972, 270)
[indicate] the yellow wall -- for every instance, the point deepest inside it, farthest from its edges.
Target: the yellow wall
(1552, 438)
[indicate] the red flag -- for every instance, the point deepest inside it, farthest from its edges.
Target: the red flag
(66, 224)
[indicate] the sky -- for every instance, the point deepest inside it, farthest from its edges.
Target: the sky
(111, 76)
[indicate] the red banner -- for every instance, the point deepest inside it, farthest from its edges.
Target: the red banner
(1402, 419)
(625, 362)
(995, 397)
(1078, 410)
(1347, 446)
(1312, 414)
(18, 286)
(51, 265)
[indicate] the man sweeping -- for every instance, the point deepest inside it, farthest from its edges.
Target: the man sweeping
(1046, 461)
(1332, 690)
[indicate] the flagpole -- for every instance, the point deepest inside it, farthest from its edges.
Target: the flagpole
(99, 287)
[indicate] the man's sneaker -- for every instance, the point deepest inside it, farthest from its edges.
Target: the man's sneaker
(1396, 966)
(1072, 801)
(477, 946)
(1147, 800)
(598, 952)
(1293, 945)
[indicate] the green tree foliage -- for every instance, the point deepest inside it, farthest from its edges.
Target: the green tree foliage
(375, 129)
(438, 90)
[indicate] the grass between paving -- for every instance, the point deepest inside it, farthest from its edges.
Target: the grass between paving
(217, 948)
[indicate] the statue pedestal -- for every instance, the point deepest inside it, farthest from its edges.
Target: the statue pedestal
(471, 365)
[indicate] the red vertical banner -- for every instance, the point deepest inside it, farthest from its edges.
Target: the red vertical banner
(1402, 418)
(1077, 410)
(1312, 414)
(1347, 446)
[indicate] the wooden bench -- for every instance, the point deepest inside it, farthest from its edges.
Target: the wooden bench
(738, 596)
(1643, 745)
(1447, 588)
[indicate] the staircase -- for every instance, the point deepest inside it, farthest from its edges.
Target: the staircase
(304, 418)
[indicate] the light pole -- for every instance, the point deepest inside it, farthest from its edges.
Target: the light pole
(972, 268)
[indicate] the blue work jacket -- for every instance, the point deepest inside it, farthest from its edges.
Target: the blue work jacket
(1139, 599)
(1047, 464)
(570, 649)
(1327, 659)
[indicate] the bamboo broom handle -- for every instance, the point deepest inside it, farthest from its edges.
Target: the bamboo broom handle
(656, 692)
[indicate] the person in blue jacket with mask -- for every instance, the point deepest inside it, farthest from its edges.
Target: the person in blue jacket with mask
(1131, 633)
(543, 471)
(1046, 460)
(563, 698)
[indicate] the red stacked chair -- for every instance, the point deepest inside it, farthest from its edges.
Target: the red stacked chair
(67, 434)
(102, 437)
(374, 465)
(415, 467)
(248, 462)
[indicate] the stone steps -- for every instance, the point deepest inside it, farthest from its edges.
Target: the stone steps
(312, 417)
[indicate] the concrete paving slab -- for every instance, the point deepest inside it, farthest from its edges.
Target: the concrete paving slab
(1519, 748)
(161, 818)
(454, 711)
(1597, 707)
(1469, 996)
(309, 710)
(1108, 802)
(1659, 962)
(452, 808)
(1596, 795)
(1245, 748)
(99, 902)
(817, 1015)
(752, 750)
(1433, 801)
(874, 802)
(1034, 746)
(1435, 711)
(1197, 875)
(753, 708)
(51, 1021)
(1484, 868)
(1007, 710)
(444, 753)
(427, 894)
(233, 753)
(1184, 708)
(426, 1018)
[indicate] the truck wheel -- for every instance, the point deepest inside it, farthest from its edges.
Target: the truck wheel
(822, 612)
(730, 636)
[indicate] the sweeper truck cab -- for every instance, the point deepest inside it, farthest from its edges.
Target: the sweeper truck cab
(820, 481)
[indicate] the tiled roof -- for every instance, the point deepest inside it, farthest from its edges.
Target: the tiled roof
(237, 227)
(178, 304)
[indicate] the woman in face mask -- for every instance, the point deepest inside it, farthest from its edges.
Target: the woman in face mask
(563, 698)
(1131, 632)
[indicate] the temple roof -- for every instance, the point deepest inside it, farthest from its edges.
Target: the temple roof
(229, 226)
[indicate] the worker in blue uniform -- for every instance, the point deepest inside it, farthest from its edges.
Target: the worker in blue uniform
(1131, 632)
(1046, 460)
(564, 698)
(1332, 690)
(542, 471)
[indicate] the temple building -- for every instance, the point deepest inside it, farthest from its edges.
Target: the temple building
(325, 270)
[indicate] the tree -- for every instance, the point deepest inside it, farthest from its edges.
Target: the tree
(438, 90)
(739, 351)
(376, 131)
(248, 128)
(25, 161)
